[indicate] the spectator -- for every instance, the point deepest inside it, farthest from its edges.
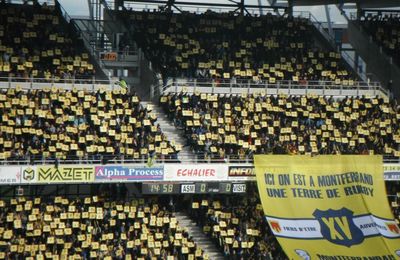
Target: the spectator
(237, 225)
(235, 127)
(225, 45)
(92, 227)
(64, 124)
(385, 30)
(36, 42)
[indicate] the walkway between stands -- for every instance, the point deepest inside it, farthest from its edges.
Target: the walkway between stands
(173, 134)
(199, 237)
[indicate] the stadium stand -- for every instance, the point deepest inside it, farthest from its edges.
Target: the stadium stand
(237, 225)
(36, 42)
(80, 126)
(70, 124)
(92, 227)
(234, 47)
(393, 191)
(385, 30)
(228, 126)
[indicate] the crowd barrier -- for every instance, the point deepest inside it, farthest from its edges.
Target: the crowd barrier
(229, 86)
(89, 84)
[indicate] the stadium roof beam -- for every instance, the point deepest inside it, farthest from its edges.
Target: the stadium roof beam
(282, 4)
(241, 7)
(273, 3)
(171, 3)
(362, 3)
(261, 10)
(238, 6)
(328, 19)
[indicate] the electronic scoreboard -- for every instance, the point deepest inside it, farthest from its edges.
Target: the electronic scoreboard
(194, 188)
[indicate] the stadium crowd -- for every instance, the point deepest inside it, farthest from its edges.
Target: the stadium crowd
(237, 225)
(393, 191)
(36, 42)
(385, 30)
(92, 227)
(221, 126)
(230, 46)
(70, 124)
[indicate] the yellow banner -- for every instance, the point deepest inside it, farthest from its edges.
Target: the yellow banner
(328, 207)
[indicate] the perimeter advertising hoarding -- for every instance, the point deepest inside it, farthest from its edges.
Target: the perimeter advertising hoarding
(128, 173)
(10, 175)
(195, 172)
(241, 172)
(51, 174)
(392, 171)
(246, 172)
(101, 173)
(85, 174)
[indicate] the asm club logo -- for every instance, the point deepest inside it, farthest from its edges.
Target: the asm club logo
(28, 174)
(275, 226)
(337, 226)
(392, 227)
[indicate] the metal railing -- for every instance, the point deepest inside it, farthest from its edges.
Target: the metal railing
(238, 86)
(366, 12)
(345, 56)
(200, 9)
(121, 159)
(64, 13)
(91, 84)
(22, 2)
(85, 37)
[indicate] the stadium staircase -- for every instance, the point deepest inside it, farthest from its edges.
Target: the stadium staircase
(173, 134)
(199, 237)
(99, 66)
(328, 41)
(377, 61)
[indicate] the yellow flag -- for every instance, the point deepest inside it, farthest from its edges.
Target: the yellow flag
(328, 207)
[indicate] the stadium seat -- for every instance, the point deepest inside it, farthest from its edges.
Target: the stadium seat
(91, 227)
(239, 228)
(236, 127)
(230, 46)
(55, 123)
(36, 42)
(385, 30)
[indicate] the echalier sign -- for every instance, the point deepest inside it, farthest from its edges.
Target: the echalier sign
(196, 172)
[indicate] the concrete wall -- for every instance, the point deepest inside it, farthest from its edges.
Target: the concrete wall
(378, 63)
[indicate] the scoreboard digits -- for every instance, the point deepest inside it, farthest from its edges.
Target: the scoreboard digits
(225, 187)
(201, 187)
(194, 188)
(160, 188)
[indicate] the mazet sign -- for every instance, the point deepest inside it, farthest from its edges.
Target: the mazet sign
(51, 174)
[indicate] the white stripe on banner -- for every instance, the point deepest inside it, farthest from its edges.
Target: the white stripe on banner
(311, 229)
